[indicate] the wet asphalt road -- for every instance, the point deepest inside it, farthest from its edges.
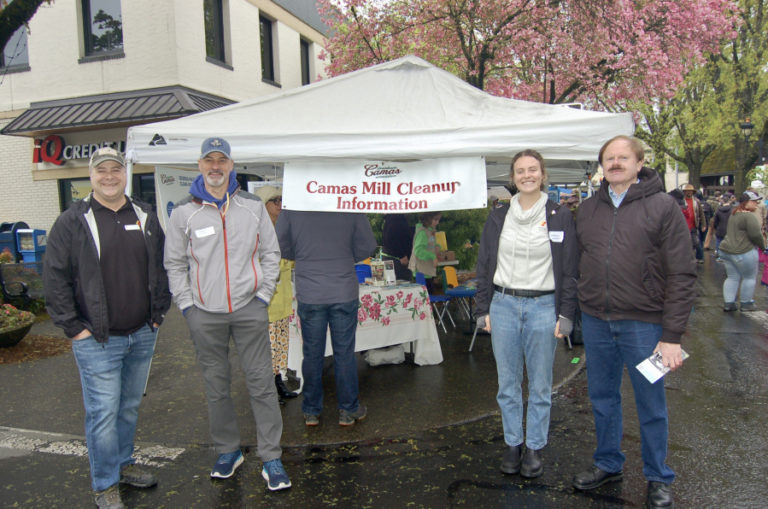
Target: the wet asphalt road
(410, 453)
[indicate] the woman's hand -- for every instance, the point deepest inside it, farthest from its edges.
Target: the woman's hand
(484, 322)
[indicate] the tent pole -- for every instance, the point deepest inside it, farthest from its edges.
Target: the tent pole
(129, 178)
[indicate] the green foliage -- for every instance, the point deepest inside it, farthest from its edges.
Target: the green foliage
(463, 229)
(462, 232)
(377, 224)
(704, 116)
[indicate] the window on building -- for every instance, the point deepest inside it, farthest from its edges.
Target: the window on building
(102, 27)
(213, 13)
(267, 50)
(304, 48)
(15, 53)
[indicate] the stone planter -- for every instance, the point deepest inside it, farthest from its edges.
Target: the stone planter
(13, 336)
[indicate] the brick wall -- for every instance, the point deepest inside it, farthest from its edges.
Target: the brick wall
(21, 198)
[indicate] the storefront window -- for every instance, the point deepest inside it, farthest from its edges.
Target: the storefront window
(102, 27)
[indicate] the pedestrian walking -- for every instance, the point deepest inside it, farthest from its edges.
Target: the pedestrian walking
(740, 257)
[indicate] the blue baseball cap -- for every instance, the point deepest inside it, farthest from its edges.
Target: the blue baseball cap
(215, 145)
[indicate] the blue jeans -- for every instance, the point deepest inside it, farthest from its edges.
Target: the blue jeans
(523, 329)
(741, 271)
(609, 345)
(112, 375)
(315, 320)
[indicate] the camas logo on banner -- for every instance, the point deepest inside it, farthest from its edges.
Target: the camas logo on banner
(376, 170)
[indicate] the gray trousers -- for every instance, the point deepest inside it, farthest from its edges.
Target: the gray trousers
(248, 328)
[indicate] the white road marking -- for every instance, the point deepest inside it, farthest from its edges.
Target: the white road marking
(22, 442)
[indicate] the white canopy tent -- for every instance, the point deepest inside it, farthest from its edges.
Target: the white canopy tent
(400, 110)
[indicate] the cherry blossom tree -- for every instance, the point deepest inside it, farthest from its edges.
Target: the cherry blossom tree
(702, 119)
(598, 52)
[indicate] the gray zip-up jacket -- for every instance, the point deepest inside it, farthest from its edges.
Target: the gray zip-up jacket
(74, 291)
(219, 261)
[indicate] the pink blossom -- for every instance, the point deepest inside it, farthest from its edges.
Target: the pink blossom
(599, 53)
(375, 311)
(361, 315)
(390, 301)
(422, 316)
(385, 320)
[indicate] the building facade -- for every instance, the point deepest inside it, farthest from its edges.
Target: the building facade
(86, 70)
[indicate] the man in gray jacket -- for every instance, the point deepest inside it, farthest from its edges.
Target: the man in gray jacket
(222, 259)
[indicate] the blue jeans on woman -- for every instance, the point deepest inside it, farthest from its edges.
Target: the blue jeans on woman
(113, 375)
(609, 346)
(741, 271)
(523, 330)
(315, 320)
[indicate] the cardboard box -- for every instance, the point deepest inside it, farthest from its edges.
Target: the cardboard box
(446, 256)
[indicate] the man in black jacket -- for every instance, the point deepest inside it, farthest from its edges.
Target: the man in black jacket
(635, 293)
(105, 286)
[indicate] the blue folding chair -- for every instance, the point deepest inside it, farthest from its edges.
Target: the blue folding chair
(439, 303)
(460, 293)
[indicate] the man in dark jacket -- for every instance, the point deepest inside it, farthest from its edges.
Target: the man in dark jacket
(106, 288)
(397, 243)
(637, 272)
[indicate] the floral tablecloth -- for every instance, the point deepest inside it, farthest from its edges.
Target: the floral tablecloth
(388, 315)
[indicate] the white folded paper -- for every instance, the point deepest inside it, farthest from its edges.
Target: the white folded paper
(653, 368)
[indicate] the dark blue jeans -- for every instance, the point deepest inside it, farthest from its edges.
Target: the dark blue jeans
(342, 320)
(609, 346)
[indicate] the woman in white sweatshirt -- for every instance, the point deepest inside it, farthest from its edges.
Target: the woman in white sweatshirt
(526, 298)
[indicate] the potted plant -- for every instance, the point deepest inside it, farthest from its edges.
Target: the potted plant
(14, 324)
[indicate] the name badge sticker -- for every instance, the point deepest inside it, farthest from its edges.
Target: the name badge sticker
(556, 236)
(130, 227)
(204, 232)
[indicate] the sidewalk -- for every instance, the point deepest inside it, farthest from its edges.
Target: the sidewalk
(403, 401)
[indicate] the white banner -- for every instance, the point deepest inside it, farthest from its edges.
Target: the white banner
(385, 186)
(171, 186)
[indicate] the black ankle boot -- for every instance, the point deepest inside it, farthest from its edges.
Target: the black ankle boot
(510, 463)
(282, 390)
(531, 465)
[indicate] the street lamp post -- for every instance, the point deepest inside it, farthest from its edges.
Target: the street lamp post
(746, 129)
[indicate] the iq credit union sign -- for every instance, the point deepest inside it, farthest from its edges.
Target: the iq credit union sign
(54, 150)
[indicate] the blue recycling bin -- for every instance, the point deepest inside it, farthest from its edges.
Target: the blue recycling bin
(8, 237)
(31, 244)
